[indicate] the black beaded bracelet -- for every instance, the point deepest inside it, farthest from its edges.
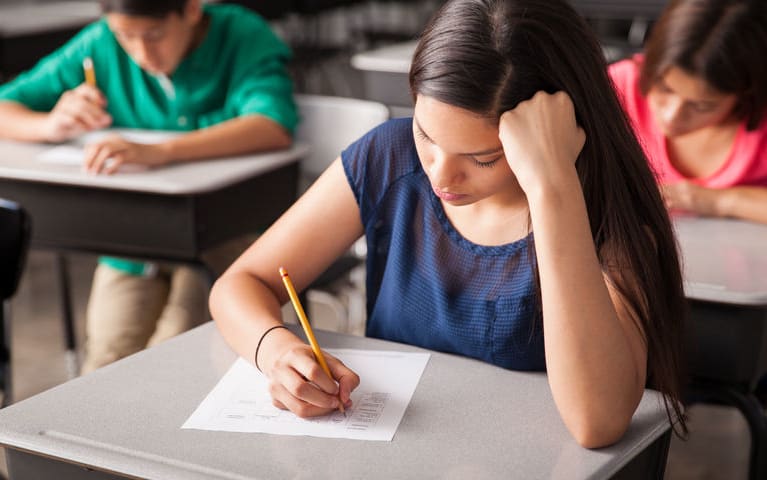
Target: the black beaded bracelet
(255, 359)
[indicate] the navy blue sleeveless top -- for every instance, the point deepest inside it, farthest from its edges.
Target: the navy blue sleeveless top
(426, 284)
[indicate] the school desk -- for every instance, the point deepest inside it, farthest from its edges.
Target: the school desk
(467, 419)
(28, 31)
(169, 213)
(385, 74)
(173, 213)
(725, 272)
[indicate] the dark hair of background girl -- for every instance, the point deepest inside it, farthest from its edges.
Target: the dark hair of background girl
(487, 56)
(719, 41)
(144, 8)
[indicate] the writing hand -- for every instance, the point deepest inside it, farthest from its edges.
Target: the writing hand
(77, 111)
(298, 383)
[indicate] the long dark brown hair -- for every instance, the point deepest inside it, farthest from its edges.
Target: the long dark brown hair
(487, 56)
(719, 41)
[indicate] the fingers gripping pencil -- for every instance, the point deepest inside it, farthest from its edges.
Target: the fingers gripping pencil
(307, 327)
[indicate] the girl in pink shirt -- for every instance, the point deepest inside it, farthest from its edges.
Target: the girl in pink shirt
(697, 101)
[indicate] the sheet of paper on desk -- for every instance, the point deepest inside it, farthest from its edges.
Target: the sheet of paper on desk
(132, 135)
(62, 155)
(73, 156)
(73, 153)
(241, 402)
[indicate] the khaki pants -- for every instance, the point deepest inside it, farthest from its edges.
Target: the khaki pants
(126, 313)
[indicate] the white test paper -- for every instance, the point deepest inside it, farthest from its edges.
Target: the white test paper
(62, 155)
(240, 402)
(73, 153)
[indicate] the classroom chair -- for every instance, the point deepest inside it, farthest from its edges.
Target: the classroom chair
(622, 25)
(328, 125)
(14, 242)
(319, 33)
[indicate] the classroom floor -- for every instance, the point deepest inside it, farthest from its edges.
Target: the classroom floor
(717, 448)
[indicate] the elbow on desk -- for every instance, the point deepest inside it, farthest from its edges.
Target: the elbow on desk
(285, 140)
(278, 139)
(595, 430)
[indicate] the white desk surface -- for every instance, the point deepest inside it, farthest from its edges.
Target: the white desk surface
(467, 419)
(31, 18)
(724, 260)
(19, 161)
(396, 58)
(392, 58)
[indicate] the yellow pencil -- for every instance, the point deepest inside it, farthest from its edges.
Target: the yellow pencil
(307, 328)
(90, 72)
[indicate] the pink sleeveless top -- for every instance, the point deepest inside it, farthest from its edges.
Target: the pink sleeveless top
(745, 165)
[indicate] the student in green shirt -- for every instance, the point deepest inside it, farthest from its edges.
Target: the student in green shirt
(214, 71)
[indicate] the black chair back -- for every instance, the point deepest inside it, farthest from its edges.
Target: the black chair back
(14, 241)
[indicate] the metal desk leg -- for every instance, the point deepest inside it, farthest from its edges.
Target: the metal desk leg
(5, 354)
(751, 409)
(73, 363)
(757, 423)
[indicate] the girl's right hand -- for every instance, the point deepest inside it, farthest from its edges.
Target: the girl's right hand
(298, 383)
(78, 111)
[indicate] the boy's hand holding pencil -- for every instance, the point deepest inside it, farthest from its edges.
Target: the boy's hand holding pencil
(78, 111)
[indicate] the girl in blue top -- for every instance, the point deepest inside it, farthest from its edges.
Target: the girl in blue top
(513, 219)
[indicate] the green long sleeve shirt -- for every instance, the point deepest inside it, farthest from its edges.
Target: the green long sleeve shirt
(238, 69)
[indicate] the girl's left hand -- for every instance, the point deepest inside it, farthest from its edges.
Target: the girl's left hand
(541, 141)
(690, 197)
(106, 156)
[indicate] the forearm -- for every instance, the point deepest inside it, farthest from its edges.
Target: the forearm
(17, 122)
(243, 309)
(247, 134)
(593, 375)
(746, 203)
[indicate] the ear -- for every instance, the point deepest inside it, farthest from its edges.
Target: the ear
(193, 11)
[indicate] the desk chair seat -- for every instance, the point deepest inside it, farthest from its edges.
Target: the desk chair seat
(14, 242)
(328, 125)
